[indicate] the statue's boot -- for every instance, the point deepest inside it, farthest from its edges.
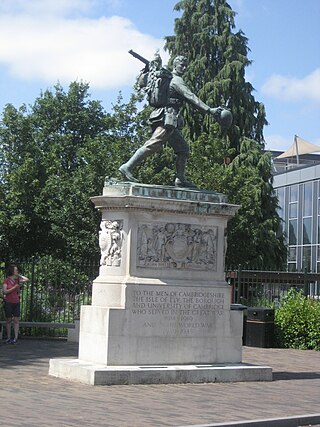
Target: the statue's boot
(181, 180)
(127, 168)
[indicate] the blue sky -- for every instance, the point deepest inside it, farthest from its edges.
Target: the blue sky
(46, 41)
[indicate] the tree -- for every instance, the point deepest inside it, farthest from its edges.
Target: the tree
(19, 179)
(256, 227)
(56, 155)
(218, 59)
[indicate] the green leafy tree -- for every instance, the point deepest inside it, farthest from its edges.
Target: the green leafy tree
(20, 177)
(56, 155)
(234, 162)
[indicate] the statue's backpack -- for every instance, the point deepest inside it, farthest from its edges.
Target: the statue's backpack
(157, 88)
(155, 83)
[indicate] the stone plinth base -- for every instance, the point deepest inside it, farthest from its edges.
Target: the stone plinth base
(163, 325)
(160, 308)
(92, 374)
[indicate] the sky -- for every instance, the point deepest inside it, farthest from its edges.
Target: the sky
(43, 42)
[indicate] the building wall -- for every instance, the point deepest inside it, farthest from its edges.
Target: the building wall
(298, 192)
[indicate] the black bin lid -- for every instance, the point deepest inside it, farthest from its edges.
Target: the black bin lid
(260, 313)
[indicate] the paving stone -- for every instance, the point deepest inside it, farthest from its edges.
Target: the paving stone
(29, 397)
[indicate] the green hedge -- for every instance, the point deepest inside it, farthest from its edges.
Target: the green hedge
(297, 322)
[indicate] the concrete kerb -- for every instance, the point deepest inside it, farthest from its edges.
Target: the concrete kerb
(296, 421)
(73, 328)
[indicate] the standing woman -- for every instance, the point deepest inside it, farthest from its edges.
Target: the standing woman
(11, 291)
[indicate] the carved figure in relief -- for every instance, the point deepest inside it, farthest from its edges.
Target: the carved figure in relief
(151, 255)
(209, 245)
(196, 245)
(110, 241)
(143, 248)
(159, 243)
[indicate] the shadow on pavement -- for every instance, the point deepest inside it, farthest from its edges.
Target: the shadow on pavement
(29, 352)
(281, 376)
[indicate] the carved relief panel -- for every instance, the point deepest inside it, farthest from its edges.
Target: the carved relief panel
(110, 242)
(177, 245)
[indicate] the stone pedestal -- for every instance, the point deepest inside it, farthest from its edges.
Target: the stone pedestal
(160, 306)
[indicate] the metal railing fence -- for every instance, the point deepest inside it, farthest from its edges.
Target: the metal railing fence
(56, 290)
(265, 288)
(54, 293)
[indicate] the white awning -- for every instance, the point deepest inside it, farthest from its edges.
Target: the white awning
(300, 146)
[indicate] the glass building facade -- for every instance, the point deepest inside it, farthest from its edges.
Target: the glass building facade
(298, 192)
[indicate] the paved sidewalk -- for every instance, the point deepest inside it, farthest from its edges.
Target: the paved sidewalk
(29, 397)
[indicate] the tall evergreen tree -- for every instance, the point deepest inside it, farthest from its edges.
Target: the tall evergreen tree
(218, 57)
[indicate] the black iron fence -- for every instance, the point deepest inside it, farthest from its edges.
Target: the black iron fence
(263, 288)
(56, 290)
(54, 293)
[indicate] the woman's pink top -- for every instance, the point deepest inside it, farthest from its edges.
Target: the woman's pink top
(13, 297)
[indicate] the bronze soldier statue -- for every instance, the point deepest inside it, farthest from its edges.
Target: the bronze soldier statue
(166, 120)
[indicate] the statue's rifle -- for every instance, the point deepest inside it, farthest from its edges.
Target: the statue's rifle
(141, 58)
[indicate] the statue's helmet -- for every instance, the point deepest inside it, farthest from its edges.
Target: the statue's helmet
(225, 119)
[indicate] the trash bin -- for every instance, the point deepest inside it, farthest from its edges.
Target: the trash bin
(243, 308)
(260, 327)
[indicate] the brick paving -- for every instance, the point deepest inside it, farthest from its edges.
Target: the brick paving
(29, 397)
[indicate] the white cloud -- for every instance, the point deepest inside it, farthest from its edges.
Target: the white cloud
(59, 48)
(291, 88)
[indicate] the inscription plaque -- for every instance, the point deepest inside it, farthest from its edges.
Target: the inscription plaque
(175, 312)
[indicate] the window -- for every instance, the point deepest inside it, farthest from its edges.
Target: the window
(307, 231)
(307, 199)
(280, 209)
(292, 254)
(293, 232)
(293, 197)
(293, 210)
(307, 257)
(293, 215)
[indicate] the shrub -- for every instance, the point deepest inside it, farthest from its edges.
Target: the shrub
(297, 322)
